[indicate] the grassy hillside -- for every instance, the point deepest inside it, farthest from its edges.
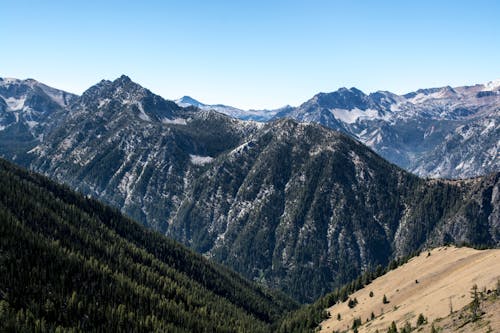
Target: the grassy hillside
(434, 284)
(68, 263)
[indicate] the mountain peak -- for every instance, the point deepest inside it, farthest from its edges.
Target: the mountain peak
(123, 79)
(343, 98)
(185, 101)
(11, 80)
(122, 88)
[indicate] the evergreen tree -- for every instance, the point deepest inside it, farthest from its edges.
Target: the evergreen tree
(475, 304)
(69, 263)
(421, 320)
(393, 328)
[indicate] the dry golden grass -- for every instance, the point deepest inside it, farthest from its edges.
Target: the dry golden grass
(444, 280)
(459, 321)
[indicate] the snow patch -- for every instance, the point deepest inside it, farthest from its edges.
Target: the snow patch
(489, 127)
(36, 150)
(15, 104)
(10, 80)
(177, 121)
(200, 160)
(31, 123)
(492, 85)
(142, 114)
(351, 116)
(103, 102)
(66, 144)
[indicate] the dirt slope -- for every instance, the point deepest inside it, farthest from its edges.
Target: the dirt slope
(428, 284)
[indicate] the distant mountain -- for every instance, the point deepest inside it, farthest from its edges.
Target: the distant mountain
(71, 263)
(438, 132)
(257, 115)
(28, 109)
(295, 206)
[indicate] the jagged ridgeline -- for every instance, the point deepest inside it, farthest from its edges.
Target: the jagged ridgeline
(68, 262)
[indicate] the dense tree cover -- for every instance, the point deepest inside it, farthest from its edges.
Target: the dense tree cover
(68, 263)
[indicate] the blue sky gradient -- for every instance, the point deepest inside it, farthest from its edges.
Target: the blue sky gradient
(252, 54)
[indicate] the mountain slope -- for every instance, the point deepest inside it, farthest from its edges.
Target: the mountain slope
(299, 202)
(70, 262)
(428, 284)
(133, 149)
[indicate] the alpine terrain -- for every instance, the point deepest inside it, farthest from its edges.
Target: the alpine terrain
(296, 206)
(437, 132)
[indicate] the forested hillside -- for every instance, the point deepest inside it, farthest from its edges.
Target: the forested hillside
(68, 263)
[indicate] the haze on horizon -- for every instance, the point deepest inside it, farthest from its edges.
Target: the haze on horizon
(259, 54)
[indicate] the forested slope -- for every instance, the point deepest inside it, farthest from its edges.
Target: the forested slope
(71, 263)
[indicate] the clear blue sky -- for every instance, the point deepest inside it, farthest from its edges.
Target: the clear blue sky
(252, 54)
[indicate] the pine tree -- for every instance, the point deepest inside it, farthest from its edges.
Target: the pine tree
(406, 328)
(393, 328)
(475, 304)
(420, 320)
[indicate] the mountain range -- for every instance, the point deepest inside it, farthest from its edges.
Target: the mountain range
(282, 202)
(437, 132)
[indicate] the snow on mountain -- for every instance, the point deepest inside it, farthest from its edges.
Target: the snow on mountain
(492, 85)
(28, 109)
(414, 130)
(418, 130)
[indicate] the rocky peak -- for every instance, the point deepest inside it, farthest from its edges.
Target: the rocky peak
(343, 98)
(122, 89)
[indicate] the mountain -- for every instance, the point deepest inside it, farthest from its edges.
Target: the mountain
(438, 132)
(27, 109)
(69, 263)
(299, 202)
(257, 115)
(283, 203)
(133, 149)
